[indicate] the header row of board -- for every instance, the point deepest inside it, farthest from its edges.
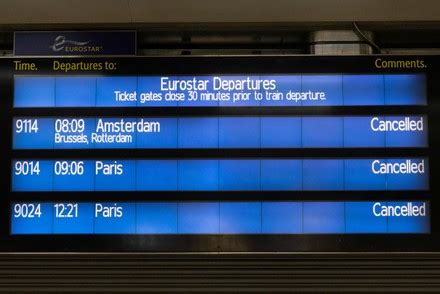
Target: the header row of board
(220, 91)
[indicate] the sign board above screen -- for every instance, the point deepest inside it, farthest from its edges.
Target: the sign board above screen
(75, 43)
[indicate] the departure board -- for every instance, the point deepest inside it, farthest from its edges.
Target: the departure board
(224, 154)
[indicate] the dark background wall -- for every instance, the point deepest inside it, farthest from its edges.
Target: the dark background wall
(194, 27)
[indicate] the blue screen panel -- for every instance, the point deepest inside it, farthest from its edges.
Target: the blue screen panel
(239, 132)
(156, 218)
(34, 91)
(363, 89)
(278, 174)
(405, 89)
(77, 175)
(240, 217)
(329, 85)
(151, 95)
(323, 217)
(116, 91)
(115, 218)
(115, 175)
(199, 218)
(187, 92)
(408, 217)
(322, 132)
(358, 132)
(73, 133)
(75, 91)
(198, 175)
(119, 134)
(31, 218)
(32, 175)
(360, 218)
(240, 90)
(281, 132)
(160, 133)
(323, 174)
(282, 217)
(406, 174)
(30, 133)
(358, 175)
(198, 132)
(156, 175)
(73, 218)
(282, 93)
(239, 175)
(407, 131)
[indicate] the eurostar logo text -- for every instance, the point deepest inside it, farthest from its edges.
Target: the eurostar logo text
(61, 42)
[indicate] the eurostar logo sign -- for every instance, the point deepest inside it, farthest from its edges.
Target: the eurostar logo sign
(75, 43)
(61, 43)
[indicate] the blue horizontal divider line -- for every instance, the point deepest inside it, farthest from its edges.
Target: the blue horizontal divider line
(221, 132)
(195, 218)
(221, 91)
(221, 175)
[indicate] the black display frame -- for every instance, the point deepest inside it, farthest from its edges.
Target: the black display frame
(243, 65)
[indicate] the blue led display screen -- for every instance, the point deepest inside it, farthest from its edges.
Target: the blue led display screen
(221, 132)
(221, 175)
(264, 154)
(220, 91)
(268, 217)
